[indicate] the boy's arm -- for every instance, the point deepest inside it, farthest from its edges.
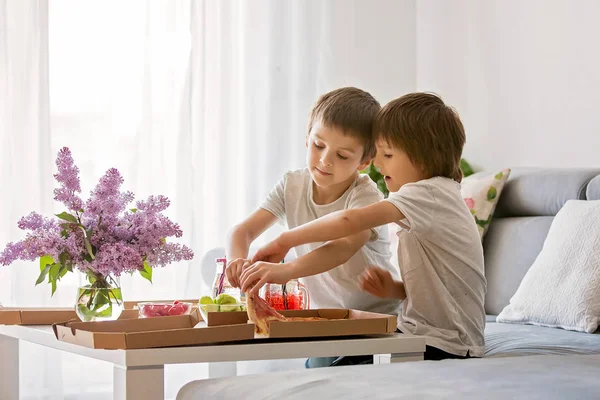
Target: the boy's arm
(333, 226)
(241, 237)
(328, 256)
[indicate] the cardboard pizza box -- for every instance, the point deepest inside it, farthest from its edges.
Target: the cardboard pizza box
(150, 332)
(339, 322)
(45, 315)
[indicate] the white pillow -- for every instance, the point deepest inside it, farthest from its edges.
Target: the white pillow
(562, 287)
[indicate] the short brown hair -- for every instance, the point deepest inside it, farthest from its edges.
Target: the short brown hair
(427, 130)
(350, 109)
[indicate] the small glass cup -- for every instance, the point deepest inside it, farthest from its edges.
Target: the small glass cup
(290, 296)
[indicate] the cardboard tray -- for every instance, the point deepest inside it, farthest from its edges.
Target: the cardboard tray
(340, 322)
(45, 316)
(52, 315)
(149, 332)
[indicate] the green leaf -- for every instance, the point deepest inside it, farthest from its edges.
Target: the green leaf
(100, 299)
(88, 246)
(43, 274)
(88, 314)
(44, 261)
(91, 278)
(376, 177)
(63, 271)
(116, 294)
(133, 210)
(64, 258)
(465, 167)
(53, 276)
(483, 222)
(67, 217)
(85, 312)
(146, 272)
(492, 193)
(53, 273)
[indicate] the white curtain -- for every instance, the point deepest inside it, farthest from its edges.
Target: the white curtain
(203, 101)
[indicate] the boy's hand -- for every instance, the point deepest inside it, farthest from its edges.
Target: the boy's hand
(379, 282)
(234, 271)
(260, 273)
(272, 252)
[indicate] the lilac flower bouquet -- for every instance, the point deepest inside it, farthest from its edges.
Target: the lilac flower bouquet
(100, 237)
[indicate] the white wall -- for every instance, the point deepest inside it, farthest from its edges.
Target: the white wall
(524, 75)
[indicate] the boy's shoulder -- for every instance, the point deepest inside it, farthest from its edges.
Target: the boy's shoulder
(364, 186)
(433, 185)
(296, 177)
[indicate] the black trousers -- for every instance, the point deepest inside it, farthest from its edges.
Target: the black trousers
(431, 354)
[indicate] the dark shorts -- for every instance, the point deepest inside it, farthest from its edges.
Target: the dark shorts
(431, 354)
(435, 354)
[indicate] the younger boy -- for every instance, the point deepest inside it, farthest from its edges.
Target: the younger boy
(419, 146)
(339, 144)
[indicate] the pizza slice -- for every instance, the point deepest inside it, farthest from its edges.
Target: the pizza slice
(261, 313)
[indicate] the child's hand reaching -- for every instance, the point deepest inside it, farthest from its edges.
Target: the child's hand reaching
(260, 273)
(380, 283)
(234, 271)
(273, 252)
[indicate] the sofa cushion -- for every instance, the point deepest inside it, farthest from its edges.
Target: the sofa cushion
(511, 245)
(542, 192)
(481, 194)
(562, 287)
(593, 189)
(519, 340)
(537, 377)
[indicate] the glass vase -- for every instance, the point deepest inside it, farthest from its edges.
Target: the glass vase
(100, 300)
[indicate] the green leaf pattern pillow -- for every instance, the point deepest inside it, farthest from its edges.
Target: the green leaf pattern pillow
(481, 194)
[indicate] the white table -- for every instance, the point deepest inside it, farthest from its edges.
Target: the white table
(139, 374)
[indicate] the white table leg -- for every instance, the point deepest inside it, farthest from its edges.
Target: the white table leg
(395, 358)
(9, 365)
(135, 383)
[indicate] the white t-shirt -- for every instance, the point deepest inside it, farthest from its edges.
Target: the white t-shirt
(291, 201)
(441, 263)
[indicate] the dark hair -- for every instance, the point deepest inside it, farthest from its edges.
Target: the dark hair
(427, 130)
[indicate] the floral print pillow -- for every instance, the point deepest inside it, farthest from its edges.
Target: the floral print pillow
(481, 194)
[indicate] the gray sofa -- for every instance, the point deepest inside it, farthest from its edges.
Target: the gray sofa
(527, 206)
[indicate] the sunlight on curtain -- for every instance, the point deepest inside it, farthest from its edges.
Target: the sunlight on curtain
(205, 102)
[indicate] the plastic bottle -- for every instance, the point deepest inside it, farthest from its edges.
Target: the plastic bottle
(221, 283)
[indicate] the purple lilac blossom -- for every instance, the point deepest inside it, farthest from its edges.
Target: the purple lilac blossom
(121, 240)
(68, 178)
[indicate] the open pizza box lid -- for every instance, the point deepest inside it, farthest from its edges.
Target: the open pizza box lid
(150, 332)
(45, 315)
(339, 322)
